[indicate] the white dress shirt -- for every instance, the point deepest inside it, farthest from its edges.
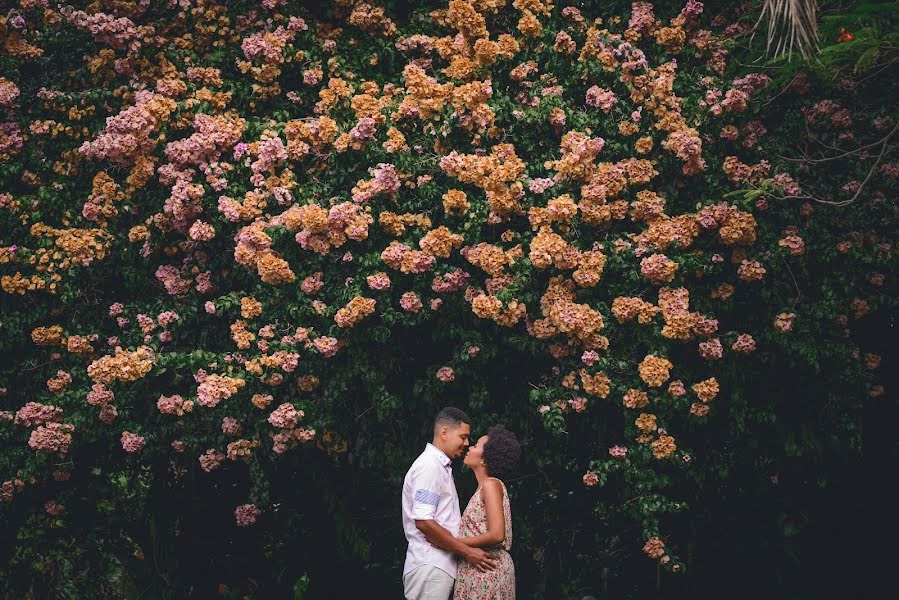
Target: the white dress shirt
(429, 492)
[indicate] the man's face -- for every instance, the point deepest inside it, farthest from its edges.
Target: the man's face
(457, 439)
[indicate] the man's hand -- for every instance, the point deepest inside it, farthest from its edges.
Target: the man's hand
(481, 560)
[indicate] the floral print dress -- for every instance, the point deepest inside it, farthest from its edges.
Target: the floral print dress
(498, 584)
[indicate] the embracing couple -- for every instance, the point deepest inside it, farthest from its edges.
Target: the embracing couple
(439, 536)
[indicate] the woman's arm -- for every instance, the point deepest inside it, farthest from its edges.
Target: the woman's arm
(442, 538)
(492, 493)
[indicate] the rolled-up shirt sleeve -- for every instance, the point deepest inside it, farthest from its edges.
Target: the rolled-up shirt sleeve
(426, 494)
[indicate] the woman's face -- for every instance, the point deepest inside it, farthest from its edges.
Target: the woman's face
(476, 453)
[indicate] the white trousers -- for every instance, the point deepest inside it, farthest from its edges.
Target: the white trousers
(427, 582)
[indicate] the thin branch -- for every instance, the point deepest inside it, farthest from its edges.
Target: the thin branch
(844, 154)
(793, 277)
(883, 152)
(785, 88)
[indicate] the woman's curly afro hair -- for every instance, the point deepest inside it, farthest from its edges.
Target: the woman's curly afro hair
(501, 452)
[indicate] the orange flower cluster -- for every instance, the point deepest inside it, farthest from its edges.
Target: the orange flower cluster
(707, 390)
(250, 307)
(562, 315)
(589, 270)
(579, 152)
(395, 224)
(354, 312)
(455, 203)
(663, 447)
(648, 207)
(396, 141)
(635, 399)
(489, 307)
(304, 137)
(561, 210)
(496, 173)
(550, 249)
(440, 242)
(654, 548)
(626, 310)
(664, 231)
(654, 370)
(596, 384)
(646, 422)
(489, 258)
(273, 269)
(240, 335)
(125, 365)
(679, 321)
(242, 449)
(321, 229)
(738, 229)
(80, 246)
(48, 336)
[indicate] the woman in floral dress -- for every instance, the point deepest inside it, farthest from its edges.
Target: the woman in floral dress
(487, 520)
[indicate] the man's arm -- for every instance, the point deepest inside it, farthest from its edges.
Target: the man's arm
(442, 538)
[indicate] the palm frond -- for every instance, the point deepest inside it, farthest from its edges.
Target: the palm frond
(791, 23)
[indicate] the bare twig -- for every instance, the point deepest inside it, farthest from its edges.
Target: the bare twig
(843, 154)
(883, 152)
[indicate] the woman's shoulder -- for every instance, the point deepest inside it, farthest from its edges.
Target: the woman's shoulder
(494, 485)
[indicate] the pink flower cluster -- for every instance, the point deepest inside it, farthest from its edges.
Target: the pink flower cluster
(385, 180)
(312, 284)
(642, 17)
(378, 281)
(578, 404)
(784, 322)
(598, 97)
(127, 134)
(540, 185)
(119, 32)
(9, 93)
(446, 374)
(166, 318)
(364, 130)
(214, 389)
(589, 357)
(744, 344)
(410, 302)
(11, 139)
(231, 426)
(99, 395)
(618, 451)
(211, 460)
(170, 277)
(132, 442)
(327, 346)
(711, 349)
(246, 514)
(285, 416)
(174, 405)
(658, 268)
(402, 257)
(687, 145)
(35, 413)
(59, 383)
(267, 46)
(450, 282)
(52, 437)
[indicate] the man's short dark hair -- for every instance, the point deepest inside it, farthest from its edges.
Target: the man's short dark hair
(451, 416)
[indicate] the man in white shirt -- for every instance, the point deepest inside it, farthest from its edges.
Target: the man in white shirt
(431, 513)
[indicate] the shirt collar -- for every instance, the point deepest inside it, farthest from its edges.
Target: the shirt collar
(443, 458)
